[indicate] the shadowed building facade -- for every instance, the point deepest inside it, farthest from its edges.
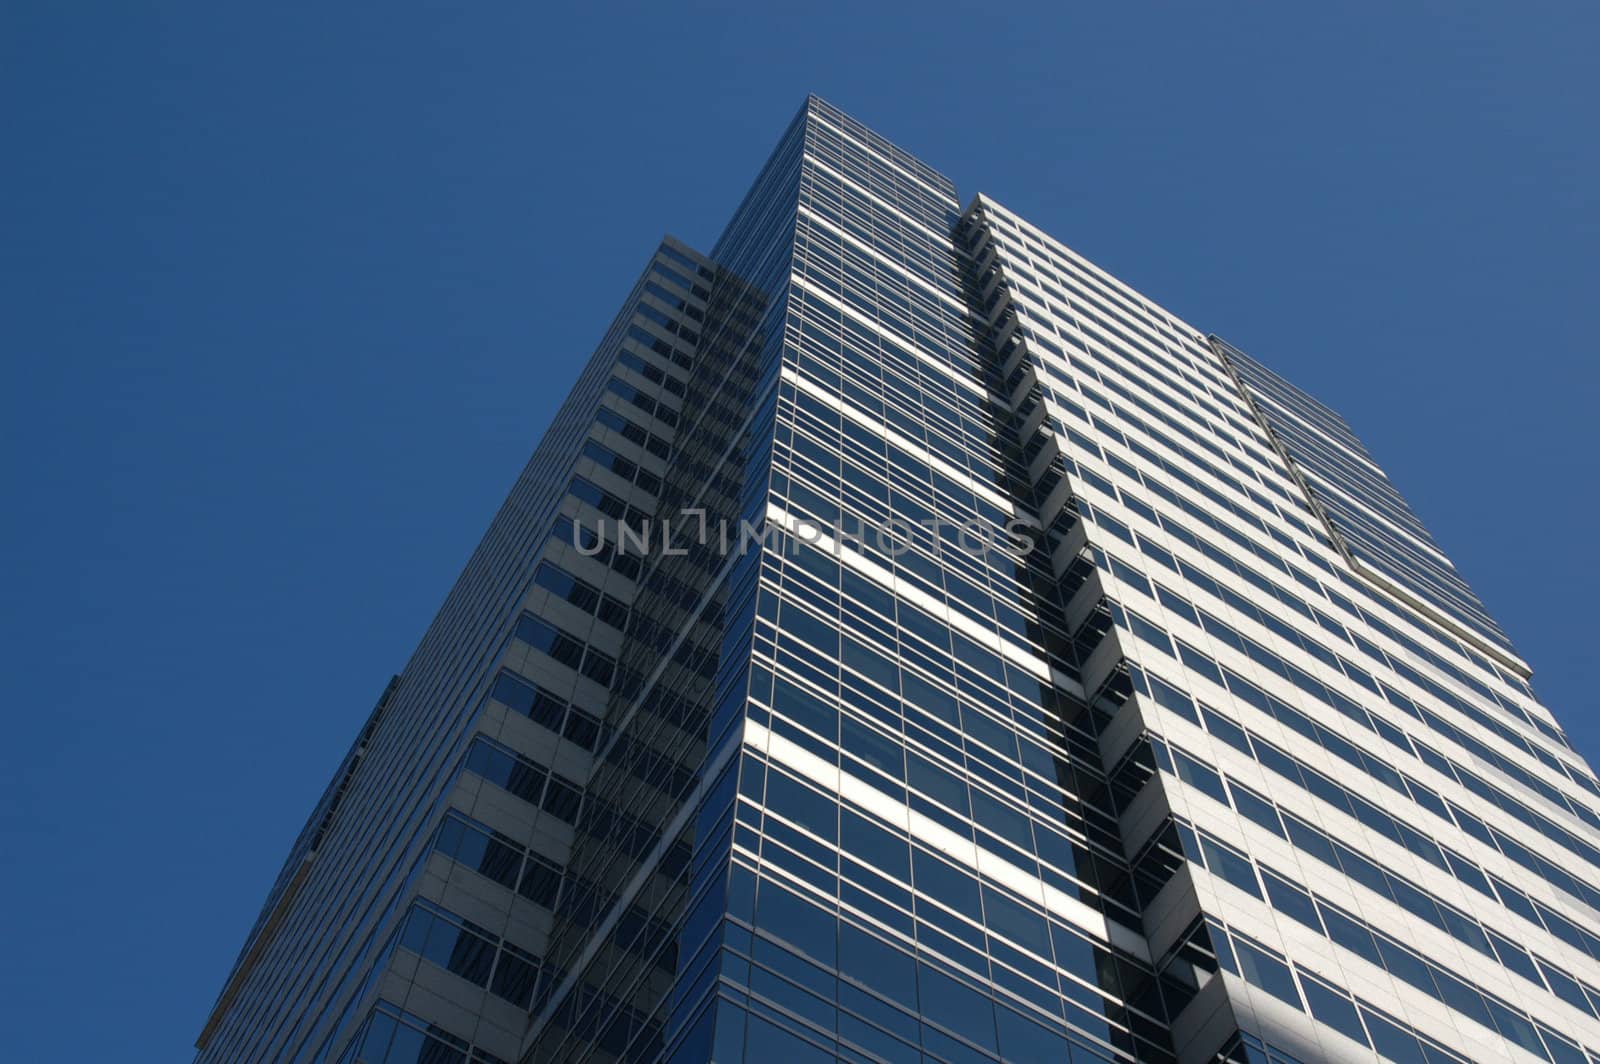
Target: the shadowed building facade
(910, 643)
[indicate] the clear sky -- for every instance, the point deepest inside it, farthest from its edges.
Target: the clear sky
(290, 291)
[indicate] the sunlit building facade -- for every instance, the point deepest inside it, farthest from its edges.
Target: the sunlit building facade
(909, 643)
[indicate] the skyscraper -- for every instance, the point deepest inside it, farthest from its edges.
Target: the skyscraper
(910, 643)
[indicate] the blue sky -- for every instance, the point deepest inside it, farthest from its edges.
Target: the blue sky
(290, 293)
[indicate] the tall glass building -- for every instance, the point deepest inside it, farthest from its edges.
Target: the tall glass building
(909, 643)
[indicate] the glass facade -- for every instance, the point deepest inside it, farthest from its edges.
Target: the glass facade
(909, 643)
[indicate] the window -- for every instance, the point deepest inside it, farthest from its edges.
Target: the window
(1267, 972)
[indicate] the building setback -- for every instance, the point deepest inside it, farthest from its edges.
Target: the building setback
(910, 643)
